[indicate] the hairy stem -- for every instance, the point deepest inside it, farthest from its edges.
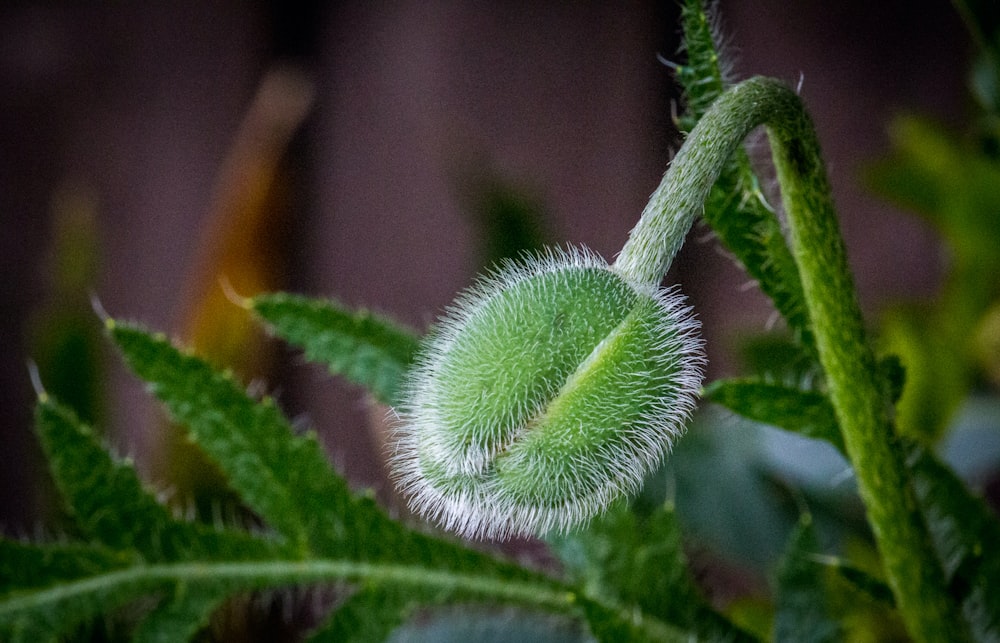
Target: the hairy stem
(854, 387)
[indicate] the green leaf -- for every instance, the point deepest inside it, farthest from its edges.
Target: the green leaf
(725, 498)
(806, 412)
(26, 566)
(111, 508)
(966, 535)
(875, 589)
(938, 377)
(610, 625)
(952, 185)
(284, 478)
(182, 614)
(362, 347)
(962, 527)
(702, 76)
(91, 482)
(948, 183)
(370, 614)
(49, 592)
(804, 606)
(737, 209)
(52, 611)
(636, 557)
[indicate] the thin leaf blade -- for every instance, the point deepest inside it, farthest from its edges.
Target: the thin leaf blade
(804, 606)
(284, 478)
(364, 348)
(808, 413)
(25, 566)
(370, 614)
(635, 557)
(182, 614)
(92, 481)
(966, 535)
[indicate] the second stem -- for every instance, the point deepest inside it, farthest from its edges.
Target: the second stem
(855, 389)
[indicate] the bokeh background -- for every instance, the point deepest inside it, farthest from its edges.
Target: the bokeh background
(354, 149)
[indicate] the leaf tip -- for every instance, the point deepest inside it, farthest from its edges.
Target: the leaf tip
(101, 312)
(36, 382)
(246, 303)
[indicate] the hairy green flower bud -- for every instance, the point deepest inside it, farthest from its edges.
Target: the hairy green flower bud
(548, 390)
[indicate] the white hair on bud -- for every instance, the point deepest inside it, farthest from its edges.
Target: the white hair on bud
(469, 490)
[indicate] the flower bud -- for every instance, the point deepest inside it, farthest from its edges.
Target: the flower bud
(547, 391)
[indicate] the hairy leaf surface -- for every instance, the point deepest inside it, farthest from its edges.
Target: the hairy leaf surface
(366, 349)
(806, 412)
(180, 572)
(966, 535)
(370, 614)
(634, 555)
(91, 482)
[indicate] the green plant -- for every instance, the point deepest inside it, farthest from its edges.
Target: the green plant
(592, 416)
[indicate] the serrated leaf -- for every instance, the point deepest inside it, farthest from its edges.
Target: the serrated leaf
(52, 611)
(129, 529)
(701, 76)
(636, 557)
(737, 209)
(284, 478)
(367, 548)
(91, 482)
(966, 535)
(608, 625)
(182, 614)
(370, 614)
(804, 606)
(26, 566)
(366, 349)
(806, 412)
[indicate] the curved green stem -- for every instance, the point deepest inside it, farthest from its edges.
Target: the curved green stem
(854, 387)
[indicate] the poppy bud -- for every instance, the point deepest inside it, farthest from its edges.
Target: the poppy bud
(548, 390)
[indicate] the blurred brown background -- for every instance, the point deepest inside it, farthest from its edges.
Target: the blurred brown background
(133, 109)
